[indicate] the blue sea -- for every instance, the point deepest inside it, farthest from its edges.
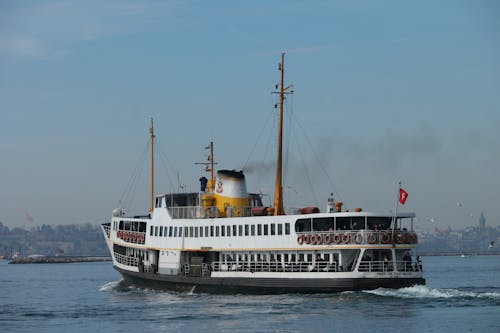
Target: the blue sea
(462, 295)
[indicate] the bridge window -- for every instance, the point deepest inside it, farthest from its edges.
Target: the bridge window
(156, 231)
(252, 230)
(287, 228)
(259, 229)
(266, 229)
(273, 229)
(240, 230)
(223, 230)
(322, 223)
(217, 231)
(247, 232)
(303, 225)
(228, 231)
(161, 232)
(280, 229)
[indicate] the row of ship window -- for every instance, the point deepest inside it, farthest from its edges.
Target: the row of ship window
(240, 230)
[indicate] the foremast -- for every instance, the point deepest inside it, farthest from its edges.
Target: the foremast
(152, 139)
(278, 189)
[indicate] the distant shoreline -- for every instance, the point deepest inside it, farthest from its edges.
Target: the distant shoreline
(465, 253)
(58, 259)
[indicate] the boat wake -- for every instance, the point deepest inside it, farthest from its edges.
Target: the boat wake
(424, 292)
(111, 286)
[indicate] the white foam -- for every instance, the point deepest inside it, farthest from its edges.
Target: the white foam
(420, 292)
(109, 286)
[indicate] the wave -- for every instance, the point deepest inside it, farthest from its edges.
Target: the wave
(110, 286)
(424, 292)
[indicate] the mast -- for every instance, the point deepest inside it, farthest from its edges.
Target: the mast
(152, 137)
(209, 167)
(278, 189)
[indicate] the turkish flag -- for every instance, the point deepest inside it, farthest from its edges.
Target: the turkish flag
(403, 195)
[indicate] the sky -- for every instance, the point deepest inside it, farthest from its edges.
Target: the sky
(384, 91)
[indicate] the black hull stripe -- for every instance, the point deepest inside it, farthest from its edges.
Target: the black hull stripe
(261, 285)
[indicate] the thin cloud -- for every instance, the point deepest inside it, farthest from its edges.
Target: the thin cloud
(46, 31)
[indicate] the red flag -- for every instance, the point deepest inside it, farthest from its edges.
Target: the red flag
(403, 195)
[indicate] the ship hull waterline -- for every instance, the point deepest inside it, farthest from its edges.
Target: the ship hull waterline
(230, 285)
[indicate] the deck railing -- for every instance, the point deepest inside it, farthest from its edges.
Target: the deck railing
(106, 228)
(126, 260)
(233, 266)
(347, 237)
(387, 266)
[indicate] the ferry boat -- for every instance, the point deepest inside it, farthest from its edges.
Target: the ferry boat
(222, 239)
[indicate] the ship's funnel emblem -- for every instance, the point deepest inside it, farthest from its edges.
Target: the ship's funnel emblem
(219, 189)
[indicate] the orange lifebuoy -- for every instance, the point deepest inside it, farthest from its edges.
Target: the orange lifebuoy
(385, 238)
(307, 239)
(328, 239)
(358, 238)
(300, 239)
(400, 238)
(319, 239)
(371, 239)
(336, 238)
(346, 238)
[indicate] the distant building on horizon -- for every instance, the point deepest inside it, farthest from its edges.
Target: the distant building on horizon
(482, 222)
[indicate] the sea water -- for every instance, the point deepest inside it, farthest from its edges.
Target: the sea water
(461, 295)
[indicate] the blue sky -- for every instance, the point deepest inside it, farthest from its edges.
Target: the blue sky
(384, 91)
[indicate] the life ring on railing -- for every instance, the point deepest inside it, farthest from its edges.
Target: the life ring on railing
(346, 238)
(319, 239)
(337, 238)
(328, 239)
(314, 239)
(385, 238)
(371, 239)
(118, 234)
(358, 238)
(307, 239)
(400, 238)
(300, 239)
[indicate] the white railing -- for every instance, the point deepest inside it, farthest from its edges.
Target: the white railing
(388, 266)
(107, 229)
(233, 266)
(126, 260)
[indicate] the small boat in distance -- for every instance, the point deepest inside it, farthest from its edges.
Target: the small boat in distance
(222, 239)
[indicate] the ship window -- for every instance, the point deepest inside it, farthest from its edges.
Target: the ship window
(206, 231)
(301, 256)
(201, 231)
(191, 233)
(121, 225)
(322, 223)
(292, 257)
(273, 229)
(309, 257)
(156, 231)
(161, 232)
(266, 229)
(217, 231)
(259, 229)
(211, 231)
(247, 231)
(343, 223)
(228, 231)
(379, 223)
(234, 231)
(127, 225)
(252, 230)
(240, 230)
(280, 229)
(159, 201)
(287, 228)
(170, 231)
(185, 231)
(175, 231)
(142, 227)
(151, 231)
(303, 225)
(285, 256)
(195, 232)
(156, 202)
(223, 230)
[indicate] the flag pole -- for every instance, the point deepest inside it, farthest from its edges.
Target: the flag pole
(396, 211)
